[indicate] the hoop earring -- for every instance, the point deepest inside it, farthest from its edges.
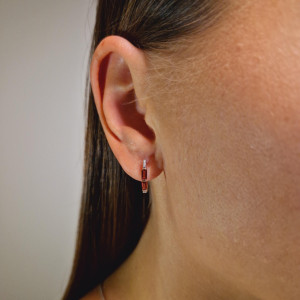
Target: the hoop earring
(144, 177)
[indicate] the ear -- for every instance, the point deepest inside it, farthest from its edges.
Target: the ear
(117, 74)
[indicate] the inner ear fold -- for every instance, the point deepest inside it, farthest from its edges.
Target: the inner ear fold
(120, 106)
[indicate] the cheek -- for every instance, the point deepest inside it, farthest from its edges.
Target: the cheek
(260, 101)
(239, 164)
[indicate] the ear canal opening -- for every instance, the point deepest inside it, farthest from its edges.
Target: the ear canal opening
(134, 117)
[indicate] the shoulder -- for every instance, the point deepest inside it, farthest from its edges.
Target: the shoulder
(92, 295)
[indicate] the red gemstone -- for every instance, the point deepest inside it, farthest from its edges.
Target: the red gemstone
(144, 186)
(144, 174)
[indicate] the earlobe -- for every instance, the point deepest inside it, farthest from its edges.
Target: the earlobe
(117, 74)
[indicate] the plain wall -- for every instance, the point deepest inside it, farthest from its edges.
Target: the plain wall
(44, 47)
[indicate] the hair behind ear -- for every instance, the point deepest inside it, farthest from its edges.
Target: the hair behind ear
(113, 215)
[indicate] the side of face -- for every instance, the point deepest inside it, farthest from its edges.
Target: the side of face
(231, 136)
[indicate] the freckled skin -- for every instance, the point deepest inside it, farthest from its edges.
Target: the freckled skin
(238, 123)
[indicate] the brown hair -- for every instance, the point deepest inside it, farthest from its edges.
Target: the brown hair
(114, 211)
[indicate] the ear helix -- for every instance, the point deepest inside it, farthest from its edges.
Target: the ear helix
(144, 177)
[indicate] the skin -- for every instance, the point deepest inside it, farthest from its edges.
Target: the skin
(223, 151)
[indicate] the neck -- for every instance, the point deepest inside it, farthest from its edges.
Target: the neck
(159, 268)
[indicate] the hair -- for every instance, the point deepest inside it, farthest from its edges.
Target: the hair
(114, 211)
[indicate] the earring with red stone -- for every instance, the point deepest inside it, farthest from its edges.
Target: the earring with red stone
(144, 178)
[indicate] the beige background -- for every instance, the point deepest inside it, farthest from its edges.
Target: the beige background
(44, 48)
